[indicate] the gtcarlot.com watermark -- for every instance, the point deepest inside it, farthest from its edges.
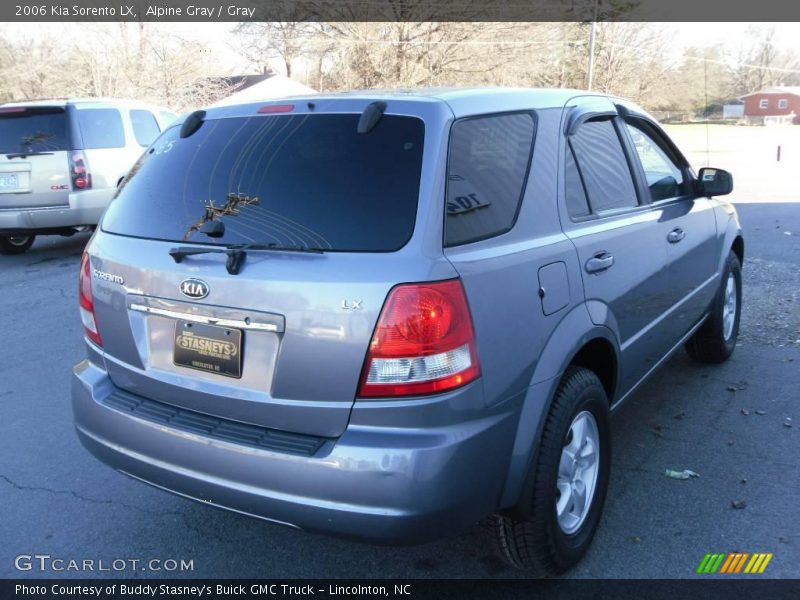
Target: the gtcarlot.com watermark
(55, 564)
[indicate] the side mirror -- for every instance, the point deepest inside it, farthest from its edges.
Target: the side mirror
(714, 182)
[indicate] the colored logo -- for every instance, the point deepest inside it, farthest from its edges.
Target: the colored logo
(734, 563)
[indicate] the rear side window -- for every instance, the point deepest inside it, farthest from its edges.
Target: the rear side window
(145, 126)
(577, 203)
(33, 129)
(289, 180)
(101, 128)
(486, 174)
(603, 166)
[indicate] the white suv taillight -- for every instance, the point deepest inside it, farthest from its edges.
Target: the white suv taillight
(424, 342)
(79, 170)
(87, 301)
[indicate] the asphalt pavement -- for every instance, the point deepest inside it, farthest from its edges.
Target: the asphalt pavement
(727, 423)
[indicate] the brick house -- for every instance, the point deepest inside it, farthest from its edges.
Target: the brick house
(773, 105)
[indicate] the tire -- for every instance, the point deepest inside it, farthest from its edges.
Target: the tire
(16, 244)
(715, 341)
(543, 544)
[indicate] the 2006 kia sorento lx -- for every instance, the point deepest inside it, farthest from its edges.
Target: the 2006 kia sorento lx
(387, 316)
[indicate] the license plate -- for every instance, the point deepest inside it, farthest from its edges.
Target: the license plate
(208, 348)
(9, 181)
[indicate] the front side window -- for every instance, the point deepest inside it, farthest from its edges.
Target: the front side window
(763, 103)
(783, 103)
(603, 166)
(101, 128)
(486, 174)
(664, 177)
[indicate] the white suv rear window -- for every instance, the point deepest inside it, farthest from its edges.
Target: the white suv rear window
(33, 129)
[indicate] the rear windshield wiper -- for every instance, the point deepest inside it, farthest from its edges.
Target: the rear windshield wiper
(27, 154)
(237, 253)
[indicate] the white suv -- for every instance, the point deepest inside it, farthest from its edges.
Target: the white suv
(62, 160)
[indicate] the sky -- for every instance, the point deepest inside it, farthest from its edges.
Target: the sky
(708, 34)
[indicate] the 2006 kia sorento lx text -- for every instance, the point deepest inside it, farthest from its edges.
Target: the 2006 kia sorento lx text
(388, 316)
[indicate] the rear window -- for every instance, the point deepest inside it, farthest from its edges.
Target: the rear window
(290, 180)
(101, 128)
(33, 129)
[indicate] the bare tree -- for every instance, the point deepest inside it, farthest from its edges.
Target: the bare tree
(263, 43)
(150, 61)
(754, 60)
(631, 58)
(391, 54)
(764, 58)
(30, 68)
(146, 61)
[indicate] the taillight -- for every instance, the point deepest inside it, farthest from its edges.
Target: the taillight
(87, 301)
(424, 342)
(79, 170)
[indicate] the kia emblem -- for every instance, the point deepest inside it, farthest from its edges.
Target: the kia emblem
(194, 288)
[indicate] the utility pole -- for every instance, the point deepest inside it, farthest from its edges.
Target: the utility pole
(592, 38)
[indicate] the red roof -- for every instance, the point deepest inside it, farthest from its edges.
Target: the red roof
(791, 90)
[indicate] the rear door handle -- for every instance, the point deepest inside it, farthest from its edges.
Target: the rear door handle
(599, 262)
(676, 235)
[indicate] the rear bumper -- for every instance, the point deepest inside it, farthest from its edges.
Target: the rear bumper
(378, 484)
(83, 208)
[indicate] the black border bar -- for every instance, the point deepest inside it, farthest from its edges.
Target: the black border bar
(404, 589)
(399, 10)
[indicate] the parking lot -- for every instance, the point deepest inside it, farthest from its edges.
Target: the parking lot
(730, 424)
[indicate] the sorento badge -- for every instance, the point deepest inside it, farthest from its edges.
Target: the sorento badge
(194, 288)
(110, 277)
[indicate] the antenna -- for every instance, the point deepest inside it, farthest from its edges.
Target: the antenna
(705, 110)
(592, 40)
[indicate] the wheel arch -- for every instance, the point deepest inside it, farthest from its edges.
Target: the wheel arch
(599, 355)
(576, 341)
(738, 248)
(730, 232)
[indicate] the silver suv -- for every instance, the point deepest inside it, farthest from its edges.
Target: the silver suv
(61, 161)
(389, 316)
